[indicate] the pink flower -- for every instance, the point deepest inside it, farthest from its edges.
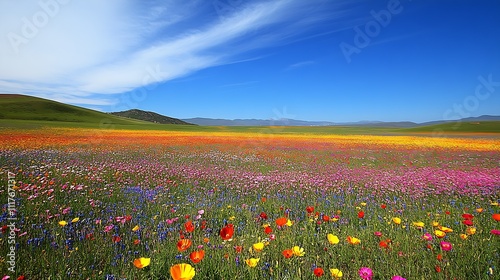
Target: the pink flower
(427, 237)
(495, 231)
(397, 277)
(445, 246)
(108, 228)
(378, 233)
(66, 210)
(365, 273)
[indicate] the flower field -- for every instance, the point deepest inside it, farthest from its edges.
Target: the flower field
(123, 204)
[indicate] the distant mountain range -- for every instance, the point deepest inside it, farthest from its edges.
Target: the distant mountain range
(292, 122)
(149, 116)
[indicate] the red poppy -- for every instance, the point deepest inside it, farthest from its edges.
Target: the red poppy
(447, 212)
(467, 216)
(227, 232)
(4, 229)
(203, 224)
(496, 217)
(467, 222)
(383, 244)
(89, 236)
(238, 249)
(137, 241)
(263, 199)
(288, 253)
(281, 221)
(310, 209)
(197, 256)
(268, 230)
(184, 244)
(361, 214)
(189, 226)
(128, 218)
(437, 268)
(439, 257)
(263, 215)
(116, 238)
(383, 206)
(22, 277)
(318, 271)
(326, 218)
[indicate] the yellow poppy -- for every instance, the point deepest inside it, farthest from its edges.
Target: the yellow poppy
(333, 239)
(297, 251)
(396, 220)
(136, 228)
(258, 246)
(336, 273)
(63, 223)
(252, 262)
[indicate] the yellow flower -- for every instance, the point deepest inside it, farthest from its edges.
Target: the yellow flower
(419, 224)
(396, 220)
(297, 251)
(494, 203)
(333, 239)
(63, 223)
(136, 228)
(363, 203)
(232, 218)
(142, 262)
(336, 273)
(289, 223)
(439, 233)
(353, 240)
(445, 229)
(258, 246)
(463, 236)
(435, 223)
(75, 220)
(470, 230)
(183, 271)
(252, 262)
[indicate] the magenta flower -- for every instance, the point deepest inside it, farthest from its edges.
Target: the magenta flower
(427, 237)
(445, 246)
(378, 233)
(397, 277)
(495, 231)
(365, 273)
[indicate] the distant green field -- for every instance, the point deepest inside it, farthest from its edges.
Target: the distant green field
(26, 112)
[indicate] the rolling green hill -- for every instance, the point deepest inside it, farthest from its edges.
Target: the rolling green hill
(22, 107)
(149, 116)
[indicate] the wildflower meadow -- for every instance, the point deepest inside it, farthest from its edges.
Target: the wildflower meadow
(143, 204)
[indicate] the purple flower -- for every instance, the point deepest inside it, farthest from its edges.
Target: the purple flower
(365, 273)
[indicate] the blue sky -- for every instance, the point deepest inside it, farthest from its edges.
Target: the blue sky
(329, 60)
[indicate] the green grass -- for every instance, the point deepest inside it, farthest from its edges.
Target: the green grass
(458, 127)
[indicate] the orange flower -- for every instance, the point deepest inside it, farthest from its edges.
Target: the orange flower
(197, 256)
(137, 241)
(281, 221)
(183, 271)
(189, 226)
(326, 218)
(184, 244)
(227, 232)
(353, 240)
(288, 253)
(142, 262)
(496, 217)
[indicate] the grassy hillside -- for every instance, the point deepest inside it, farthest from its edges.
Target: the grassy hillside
(149, 116)
(21, 107)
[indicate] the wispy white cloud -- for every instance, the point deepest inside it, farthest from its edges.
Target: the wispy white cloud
(300, 64)
(86, 52)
